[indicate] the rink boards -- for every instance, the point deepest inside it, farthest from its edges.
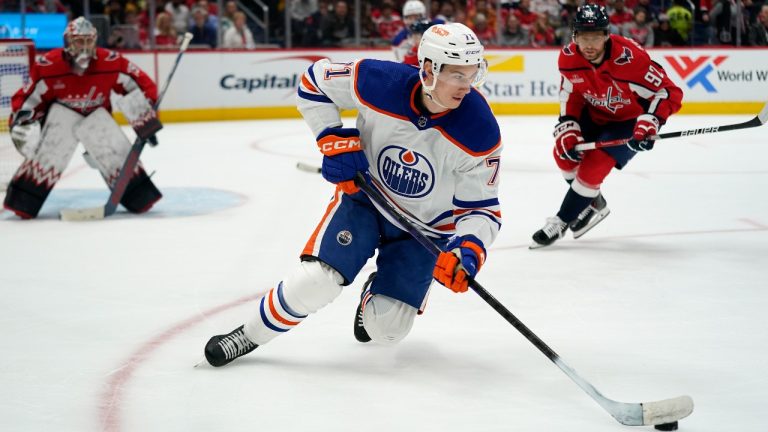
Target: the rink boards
(226, 85)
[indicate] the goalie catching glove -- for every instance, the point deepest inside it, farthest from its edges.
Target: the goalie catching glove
(25, 134)
(460, 261)
(647, 126)
(343, 157)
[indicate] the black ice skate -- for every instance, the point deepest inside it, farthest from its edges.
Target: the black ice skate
(590, 216)
(554, 229)
(360, 334)
(222, 349)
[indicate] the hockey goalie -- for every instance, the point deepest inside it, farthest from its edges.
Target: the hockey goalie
(67, 102)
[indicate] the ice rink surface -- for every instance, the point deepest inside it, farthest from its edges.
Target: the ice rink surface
(103, 322)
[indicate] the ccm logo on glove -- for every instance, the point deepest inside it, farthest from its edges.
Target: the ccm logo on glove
(331, 145)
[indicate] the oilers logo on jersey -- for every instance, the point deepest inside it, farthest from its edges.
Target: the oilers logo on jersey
(405, 172)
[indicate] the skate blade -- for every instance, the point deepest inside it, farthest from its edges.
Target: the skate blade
(595, 220)
(202, 362)
(535, 245)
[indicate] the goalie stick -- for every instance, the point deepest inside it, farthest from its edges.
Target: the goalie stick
(126, 172)
(760, 119)
(630, 414)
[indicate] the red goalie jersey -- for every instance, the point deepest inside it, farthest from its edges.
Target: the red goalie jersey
(52, 80)
(625, 85)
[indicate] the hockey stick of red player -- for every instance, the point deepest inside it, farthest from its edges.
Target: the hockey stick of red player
(126, 172)
(759, 120)
(630, 414)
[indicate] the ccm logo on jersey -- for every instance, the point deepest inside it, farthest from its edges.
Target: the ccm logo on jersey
(332, 145)
(405, 172)
(700, 131)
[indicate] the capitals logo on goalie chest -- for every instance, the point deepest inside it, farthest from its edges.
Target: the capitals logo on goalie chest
(405, 172)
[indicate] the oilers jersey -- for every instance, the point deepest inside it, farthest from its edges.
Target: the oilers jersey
(441, 170)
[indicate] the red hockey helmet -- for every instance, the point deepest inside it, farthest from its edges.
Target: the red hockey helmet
(80, 41)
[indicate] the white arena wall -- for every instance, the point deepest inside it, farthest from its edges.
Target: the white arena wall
(230, 85)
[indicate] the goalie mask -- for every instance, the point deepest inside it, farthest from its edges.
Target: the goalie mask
(451, 44)
(80, 42)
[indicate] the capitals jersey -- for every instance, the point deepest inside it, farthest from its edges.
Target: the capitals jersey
(440, 169)
(625, 85)
(52, 80)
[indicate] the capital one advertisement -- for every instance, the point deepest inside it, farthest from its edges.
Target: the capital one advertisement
(262, 84)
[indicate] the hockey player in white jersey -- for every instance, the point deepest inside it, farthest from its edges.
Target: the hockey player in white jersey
(430, 144)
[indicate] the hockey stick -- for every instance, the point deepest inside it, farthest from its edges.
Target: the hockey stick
(630, 414)
(301, 166)
(126, 172)
(759, 120)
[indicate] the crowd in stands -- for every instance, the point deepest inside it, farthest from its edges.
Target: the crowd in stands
(323, 23)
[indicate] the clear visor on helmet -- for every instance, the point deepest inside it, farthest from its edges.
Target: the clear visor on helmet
(78, 45)
(464, 76)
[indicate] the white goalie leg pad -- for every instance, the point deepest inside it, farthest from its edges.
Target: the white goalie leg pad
(312, 286)
(56, 146)
(105, 142)
(387, 320)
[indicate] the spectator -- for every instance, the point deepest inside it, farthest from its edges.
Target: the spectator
(43, 6)
(388, 24)
(524, 14)
(165, 32)
(652, 9)
(202, 32)
(619, 17)
(238, 36)
(179, 15)
(129, 35)
(639, 30)
(482, 29)
(447, 10)
(300, 11)
(758, 32)
(115, 12)
(680, 19)
(228, 17)
(482, 7)
(552, 8)
(312, 35)
(542, 34)
(725, 20)
(212, 10)
(338, 26)
(666, 36)
(514, 34)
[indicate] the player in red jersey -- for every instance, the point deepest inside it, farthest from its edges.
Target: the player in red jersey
(68, 101)
(610, 89)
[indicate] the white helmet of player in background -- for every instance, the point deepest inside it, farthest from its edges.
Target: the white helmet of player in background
(80, 41)
(451, 44)
(414, 7)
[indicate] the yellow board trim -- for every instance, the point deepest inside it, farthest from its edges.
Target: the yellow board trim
(263, 113)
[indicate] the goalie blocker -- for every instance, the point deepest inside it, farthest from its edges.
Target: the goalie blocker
(106, 145)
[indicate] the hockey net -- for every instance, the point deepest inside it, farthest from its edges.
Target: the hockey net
(16, 58)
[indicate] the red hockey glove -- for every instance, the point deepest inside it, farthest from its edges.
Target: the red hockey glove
(647, 125)
(343, 157)
(567, 135)
(462, 259)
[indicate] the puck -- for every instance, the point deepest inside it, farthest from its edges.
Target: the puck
(667, 426)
